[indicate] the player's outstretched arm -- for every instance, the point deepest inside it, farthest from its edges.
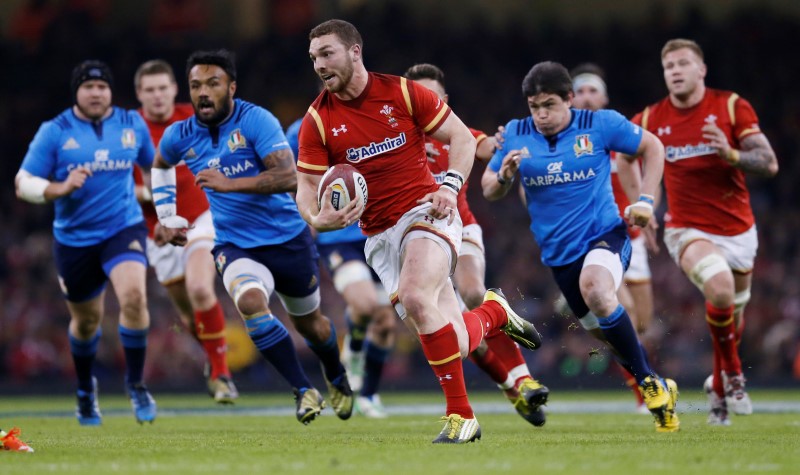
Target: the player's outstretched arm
(279, 177)
(37, 190)
(651, 150)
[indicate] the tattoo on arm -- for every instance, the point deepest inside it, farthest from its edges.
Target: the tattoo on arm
(280, 175)
(757, 157)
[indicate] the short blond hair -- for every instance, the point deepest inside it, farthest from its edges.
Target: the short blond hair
(681, 43)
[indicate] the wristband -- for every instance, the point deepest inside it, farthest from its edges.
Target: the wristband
(503, 181)
(733, 156)
(649, 199)
(164, 192)
(453, 180)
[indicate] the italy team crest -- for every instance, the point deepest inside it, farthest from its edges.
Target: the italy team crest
(221, 261)
(128, 138)
(583, 146)
(236, 140)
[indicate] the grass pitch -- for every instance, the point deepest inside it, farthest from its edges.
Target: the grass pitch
(260, 435)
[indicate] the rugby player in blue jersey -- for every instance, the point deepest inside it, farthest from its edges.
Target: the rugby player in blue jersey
(370, 315)
(562, 157)
(82, 161)
(240, 156)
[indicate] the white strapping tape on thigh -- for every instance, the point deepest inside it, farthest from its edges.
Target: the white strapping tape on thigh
(349, 273)
(706, 268)
(589, 321)
(246, 282)
(740, 299)
(608, 260)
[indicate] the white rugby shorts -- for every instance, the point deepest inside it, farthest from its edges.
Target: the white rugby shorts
(169, 261)
(383, 250)
(739, 250)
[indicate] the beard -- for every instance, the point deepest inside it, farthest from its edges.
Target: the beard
(221, 112)
(93, 116)
(346, 76)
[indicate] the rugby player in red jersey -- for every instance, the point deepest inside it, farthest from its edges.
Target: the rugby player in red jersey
(378, 123)
(498, 356)
(712, 139)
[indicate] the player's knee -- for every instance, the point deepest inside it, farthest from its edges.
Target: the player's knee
(600, 299)
(200, 294)
(86, 326)
(415, 302)
(719, 290)
(363, 308)
(133, 301)
(252, 301)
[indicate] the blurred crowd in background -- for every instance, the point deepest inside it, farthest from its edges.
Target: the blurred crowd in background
(485, 49)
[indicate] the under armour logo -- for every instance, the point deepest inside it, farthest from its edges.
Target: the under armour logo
(710, 119)
(341, 129)
(664, 131)
(428, 219)
(446, 376)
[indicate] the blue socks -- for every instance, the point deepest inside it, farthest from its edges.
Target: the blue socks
(375, 357)
(83, 354)
(134, 342)
(620, 334)
(357, 333)
(273, 341)
(328, 354)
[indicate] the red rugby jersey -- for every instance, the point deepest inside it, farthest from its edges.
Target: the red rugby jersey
(192, 201)
(703, 191)
(439, 163)
(382, 134)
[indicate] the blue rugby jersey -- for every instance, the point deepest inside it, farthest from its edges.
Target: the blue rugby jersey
(566, 179)
(106, 203)
(236, 148)
(350, 233)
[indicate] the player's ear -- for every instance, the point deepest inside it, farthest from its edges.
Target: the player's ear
(356, 52)
(232, 88)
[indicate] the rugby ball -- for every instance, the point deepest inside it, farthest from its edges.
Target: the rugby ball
(347, 185)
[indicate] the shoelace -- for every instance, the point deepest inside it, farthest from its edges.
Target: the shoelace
(86, 404)
(651, 388)
(140, 395)
(454, 424)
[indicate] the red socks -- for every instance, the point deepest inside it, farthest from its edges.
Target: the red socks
(723, 336)
(505, 348)
(441, 350)
(482, 321)
(210, 327)
(491, 365)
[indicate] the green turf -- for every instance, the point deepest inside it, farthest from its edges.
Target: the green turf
(237, 443)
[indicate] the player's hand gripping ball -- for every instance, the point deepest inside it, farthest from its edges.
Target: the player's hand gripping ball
(347, 184)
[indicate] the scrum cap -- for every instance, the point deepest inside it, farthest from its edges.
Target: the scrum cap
(90, 70)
